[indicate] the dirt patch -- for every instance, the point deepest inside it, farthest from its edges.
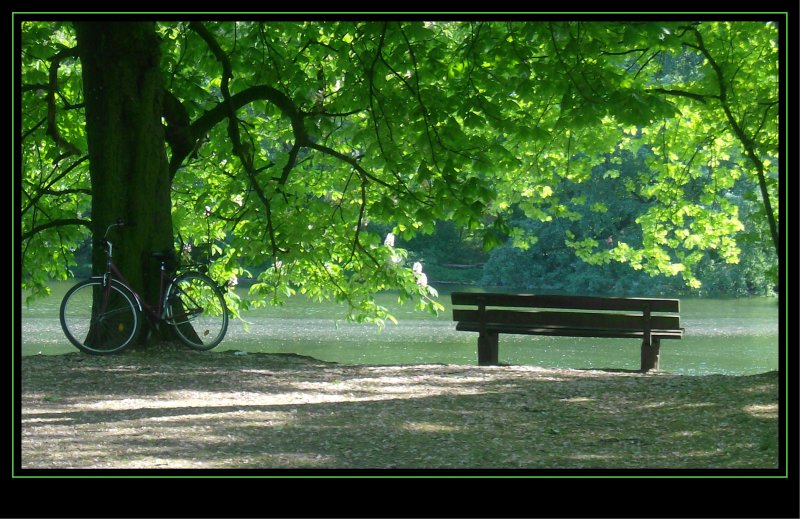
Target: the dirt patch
(173, 408)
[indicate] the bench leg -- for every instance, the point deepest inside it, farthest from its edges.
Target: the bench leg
(488, 348)
(651, 354)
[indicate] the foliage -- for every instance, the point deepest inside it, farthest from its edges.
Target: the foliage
(55, 179)
(705, 117)
(308, 140)
(537, 256)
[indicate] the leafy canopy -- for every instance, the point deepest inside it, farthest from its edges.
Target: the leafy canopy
(343, 128)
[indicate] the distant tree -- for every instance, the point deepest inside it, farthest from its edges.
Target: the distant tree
(695, 95)
(536, 258)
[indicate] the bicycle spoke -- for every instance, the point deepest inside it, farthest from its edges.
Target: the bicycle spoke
(95, 331)
(196, 308)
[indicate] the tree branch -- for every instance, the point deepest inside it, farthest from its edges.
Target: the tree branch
(333, 114)
(56, 223)
(767, 108)
(361, 211)
(233, 126)
(682, 93)
(287, 169)
(52, 87)
(623, 52)
(36, 126)
(350, 160)
(651, 58)
(44, 190)
(746, 141)
(33, 87)
(260, 92)
(203, 124)
(417, 94)
(373, 94)
(568, 70)
(61, 192)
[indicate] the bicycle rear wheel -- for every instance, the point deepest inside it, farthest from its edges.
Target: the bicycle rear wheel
(100, 319)
(196, 308)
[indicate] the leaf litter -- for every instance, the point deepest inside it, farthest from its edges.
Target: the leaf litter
(167, 407)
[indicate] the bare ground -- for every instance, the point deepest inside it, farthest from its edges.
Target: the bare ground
(174, 408)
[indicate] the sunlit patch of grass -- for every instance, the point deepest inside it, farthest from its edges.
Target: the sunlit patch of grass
(685, 434)
(762, 410)
(577, 400)
(430, 427)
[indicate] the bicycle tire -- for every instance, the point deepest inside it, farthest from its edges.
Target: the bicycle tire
(196, 308)
(100, 321)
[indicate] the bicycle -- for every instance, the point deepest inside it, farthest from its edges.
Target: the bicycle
(103, 314)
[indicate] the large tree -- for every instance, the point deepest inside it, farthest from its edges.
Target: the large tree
(300, 137)
(123, 101)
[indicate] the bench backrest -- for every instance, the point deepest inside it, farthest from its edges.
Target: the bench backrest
(576, 312)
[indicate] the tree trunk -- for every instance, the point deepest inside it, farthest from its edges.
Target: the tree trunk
(123, 95)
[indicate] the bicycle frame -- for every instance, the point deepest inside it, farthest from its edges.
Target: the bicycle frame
(155, 311)
(112, 272)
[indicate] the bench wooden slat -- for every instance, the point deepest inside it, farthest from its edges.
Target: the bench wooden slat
(566, 319)
(557, 301)
(571, 332)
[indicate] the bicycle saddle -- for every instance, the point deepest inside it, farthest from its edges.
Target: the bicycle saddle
(163, 254)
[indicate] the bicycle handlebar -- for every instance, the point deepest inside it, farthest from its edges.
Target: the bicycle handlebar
(119, 223)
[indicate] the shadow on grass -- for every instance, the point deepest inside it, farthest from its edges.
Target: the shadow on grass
(271, 412)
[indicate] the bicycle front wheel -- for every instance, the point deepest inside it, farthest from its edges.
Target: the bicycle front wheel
(100, 319)
(196, 308)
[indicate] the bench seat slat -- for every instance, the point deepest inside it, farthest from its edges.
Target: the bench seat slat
(565, 319)
(571, 332)
(557, 301)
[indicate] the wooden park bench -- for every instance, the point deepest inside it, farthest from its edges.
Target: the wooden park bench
(572, 316)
